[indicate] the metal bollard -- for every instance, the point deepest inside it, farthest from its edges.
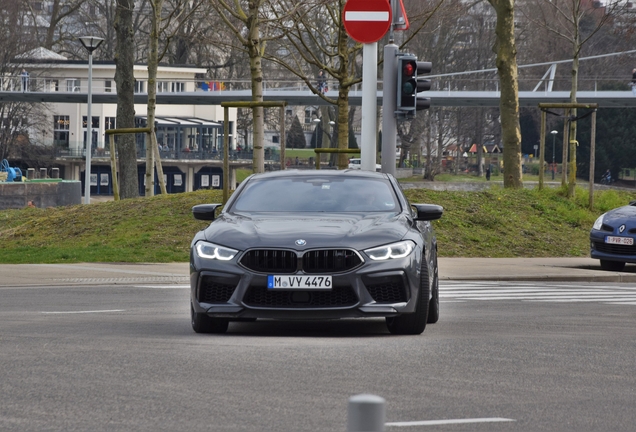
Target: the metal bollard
(55, 173)
(366, 413)
(30, 173)
(42, 173)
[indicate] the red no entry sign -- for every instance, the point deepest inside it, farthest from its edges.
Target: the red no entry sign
(366, 21)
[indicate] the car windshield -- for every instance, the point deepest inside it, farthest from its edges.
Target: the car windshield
(317, 194)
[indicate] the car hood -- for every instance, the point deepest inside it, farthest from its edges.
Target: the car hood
(349, 230)
(622, 215)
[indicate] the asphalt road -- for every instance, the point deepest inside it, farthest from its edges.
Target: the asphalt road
(504, 356)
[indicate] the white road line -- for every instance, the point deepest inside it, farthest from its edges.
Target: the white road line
(487, 293)
(83, 312)
(446, 422)
(601, 299)
(163, 286)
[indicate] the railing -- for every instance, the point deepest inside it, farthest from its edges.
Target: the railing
(208, 155)
(439, 83)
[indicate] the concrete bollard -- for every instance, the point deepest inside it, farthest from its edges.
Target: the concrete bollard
(42, 173)
(30, 173)
(366, 413)
(55, 173)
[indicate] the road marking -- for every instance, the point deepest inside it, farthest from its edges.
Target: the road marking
(446, 422)
(556, 293)
(83, 312)
(163, 286)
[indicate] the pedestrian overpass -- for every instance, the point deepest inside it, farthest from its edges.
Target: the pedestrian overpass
(304, 97)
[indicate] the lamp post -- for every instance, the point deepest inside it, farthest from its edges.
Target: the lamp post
(553, 165)
(91, 43)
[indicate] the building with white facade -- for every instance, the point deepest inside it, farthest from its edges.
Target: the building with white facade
(190, 136)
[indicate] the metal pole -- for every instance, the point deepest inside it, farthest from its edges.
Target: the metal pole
(542, 150)
(89, 132)
(389, 104)
(366, 412)
(369, 105)
(592, 159)
(553, 157)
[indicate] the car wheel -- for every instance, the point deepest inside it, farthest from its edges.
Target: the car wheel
(433, 307)
(612, 265)
(413, 323)
(201, 323)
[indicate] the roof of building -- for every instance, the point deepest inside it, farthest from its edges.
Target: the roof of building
(41, 53)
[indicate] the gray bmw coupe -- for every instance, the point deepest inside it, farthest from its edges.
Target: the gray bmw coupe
(310, 245)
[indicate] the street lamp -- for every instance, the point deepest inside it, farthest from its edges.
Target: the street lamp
(553, 165)
(91, 43)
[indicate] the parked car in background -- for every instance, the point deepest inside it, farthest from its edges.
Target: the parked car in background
(316, 245)
(613, 237)
(354, 163)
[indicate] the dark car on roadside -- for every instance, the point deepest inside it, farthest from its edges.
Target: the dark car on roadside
(315, 245)
(613, 237)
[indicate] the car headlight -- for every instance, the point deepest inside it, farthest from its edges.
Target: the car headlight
(212, 251)
(599, 222)
(392, 251)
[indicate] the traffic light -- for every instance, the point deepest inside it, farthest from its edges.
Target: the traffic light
(408, 85)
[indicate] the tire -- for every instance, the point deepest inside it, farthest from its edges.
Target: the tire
(433, 307)
(612, 265)
(413, 323)
(201, 323)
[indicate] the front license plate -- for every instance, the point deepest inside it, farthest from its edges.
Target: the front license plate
(619, 240)
(287, 282)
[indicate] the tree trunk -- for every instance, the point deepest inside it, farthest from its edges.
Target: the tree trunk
(256, 71)
(343, 126)
(576, 45)
(125, 80)
(509, 103)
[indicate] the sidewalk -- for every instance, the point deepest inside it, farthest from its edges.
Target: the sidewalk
(486, 269)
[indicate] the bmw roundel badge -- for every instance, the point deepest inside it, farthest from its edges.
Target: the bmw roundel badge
(301, 242)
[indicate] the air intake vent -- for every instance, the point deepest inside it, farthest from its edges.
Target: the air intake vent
(615, 249)
(337, 297)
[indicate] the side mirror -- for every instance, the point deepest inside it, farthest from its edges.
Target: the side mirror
(428, 212)
(205, 211)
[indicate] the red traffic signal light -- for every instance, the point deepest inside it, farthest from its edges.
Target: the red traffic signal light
(408, 85)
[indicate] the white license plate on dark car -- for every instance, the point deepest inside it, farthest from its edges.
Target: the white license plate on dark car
(619, 240)
(287, 282)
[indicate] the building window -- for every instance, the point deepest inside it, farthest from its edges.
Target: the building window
(61, 131)
(162, 86)
(178, 87)
(275, 139)
(73, 85)
(309, 115)
(108, 86)
(52, 85)
(109, 122)
(140, 86)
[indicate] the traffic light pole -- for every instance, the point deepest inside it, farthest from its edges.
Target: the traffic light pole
(389, 102)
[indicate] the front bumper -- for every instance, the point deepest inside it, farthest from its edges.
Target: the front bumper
(375, 289)
(601, 250)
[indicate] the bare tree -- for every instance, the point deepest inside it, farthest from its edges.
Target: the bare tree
(316, 40)
(251, 27)
(576, 22)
